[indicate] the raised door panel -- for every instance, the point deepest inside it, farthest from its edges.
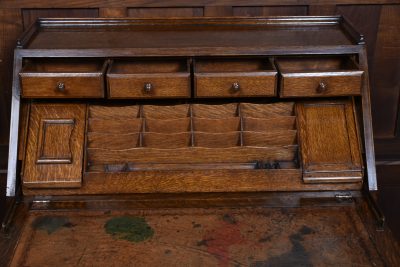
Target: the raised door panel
(54, 153)
(329, 142)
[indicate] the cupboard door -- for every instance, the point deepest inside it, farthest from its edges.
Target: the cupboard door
(329, 142)
(54, 153)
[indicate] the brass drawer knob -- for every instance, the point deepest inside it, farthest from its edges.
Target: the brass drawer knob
(60, 86)
(235, 87)
(148, 87)
(322, 87)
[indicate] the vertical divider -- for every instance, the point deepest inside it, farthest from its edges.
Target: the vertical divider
(239, 111)
(192, 141)
(142, 129)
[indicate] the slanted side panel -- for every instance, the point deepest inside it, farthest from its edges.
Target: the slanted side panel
(55, 146)
(329, 143)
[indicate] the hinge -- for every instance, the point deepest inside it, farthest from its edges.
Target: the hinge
(344, 197)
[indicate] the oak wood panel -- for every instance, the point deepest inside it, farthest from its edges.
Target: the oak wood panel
(30, 15)
(157, 12)
(365, 18)
(113, 12)
(54, 151)
(385, 96)
(10, 29)
(270, 10)
(218, 11)
(329, 144)
(192, 154)
(321, 9)
(169, 3)
(233, 180)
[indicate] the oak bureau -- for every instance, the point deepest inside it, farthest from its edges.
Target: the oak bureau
(192, 109)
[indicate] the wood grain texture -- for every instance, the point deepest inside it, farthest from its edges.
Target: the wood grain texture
(54, 151)
(199, 237)
(321, 10)
(162, 86)
(329, 144)
(270, 10)
(149, 79)
(385, 93)
(174, 181)
(192, 154)
(221, 84)
(175, 3)
(158, 12)
(113, 12)
(30, 15)
(197, 36)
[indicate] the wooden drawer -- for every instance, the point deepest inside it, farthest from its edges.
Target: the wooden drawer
(319, 76)
(63, 78)
(234, 78)
(149, 79)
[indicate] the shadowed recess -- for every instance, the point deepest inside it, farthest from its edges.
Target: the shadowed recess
(133, 229)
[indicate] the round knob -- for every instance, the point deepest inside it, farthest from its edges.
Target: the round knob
(236, 87)
(60, 86)
(148, 87)
(322, 87)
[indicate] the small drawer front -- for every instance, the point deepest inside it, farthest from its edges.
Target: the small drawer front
(235, 85)
(319, 84)
(149, 86)
(61, 86)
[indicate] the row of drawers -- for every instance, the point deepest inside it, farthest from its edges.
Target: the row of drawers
(172, 78)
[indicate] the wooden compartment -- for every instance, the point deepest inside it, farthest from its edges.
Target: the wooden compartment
(216, 125)
(227, 77)
(165, 111)
(264, 125)
(271, 138)
(112, 140)
(217, 140)
(63, 78)
(149, 79)
(167, 125)
(266, 110)
(114, 112)
(319, 76)
(197, 135)
(115, 125)
(218, 111)
(166, 140)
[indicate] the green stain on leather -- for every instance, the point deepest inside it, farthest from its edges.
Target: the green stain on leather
(133, 229)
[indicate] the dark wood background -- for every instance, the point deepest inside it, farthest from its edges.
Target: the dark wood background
(378, 20)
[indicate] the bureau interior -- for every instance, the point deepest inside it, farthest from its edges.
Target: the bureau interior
(190, 125)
